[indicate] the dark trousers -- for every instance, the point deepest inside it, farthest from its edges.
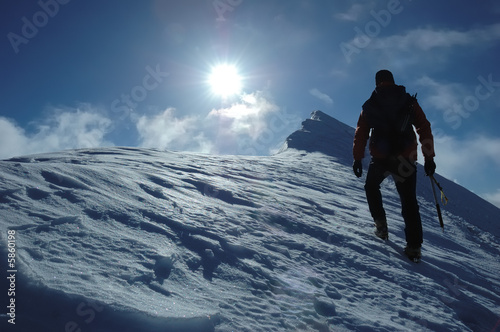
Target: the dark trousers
(404, 173)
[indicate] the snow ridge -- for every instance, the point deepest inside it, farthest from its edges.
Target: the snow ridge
(322, 133)
(124, 239)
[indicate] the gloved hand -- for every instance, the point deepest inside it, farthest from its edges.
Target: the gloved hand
(429, 167)
(357, 167)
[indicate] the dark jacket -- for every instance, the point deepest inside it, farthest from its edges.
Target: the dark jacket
(391, 113)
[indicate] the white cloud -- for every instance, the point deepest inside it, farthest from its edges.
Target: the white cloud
(459, 103)
(493, 198)
(441, 96)
(67, 128)
(353, 13)
(464, 159)
(73, 129)
(13, 140)
(165, 131)
(247, 117)
(248, 126)
(204, 144)
(480, 152)
(254, 125)
(427, 38)
(321, 96)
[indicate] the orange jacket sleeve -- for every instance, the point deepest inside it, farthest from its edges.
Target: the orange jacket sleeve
(423, 127)
(361, 137)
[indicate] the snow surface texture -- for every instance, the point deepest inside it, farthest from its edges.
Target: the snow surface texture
(123, 239)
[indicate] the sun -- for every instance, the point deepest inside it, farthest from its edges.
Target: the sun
(225, 80)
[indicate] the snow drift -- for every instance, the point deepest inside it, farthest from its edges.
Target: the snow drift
(124, 239)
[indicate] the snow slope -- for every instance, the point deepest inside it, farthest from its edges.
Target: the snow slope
(123, 239)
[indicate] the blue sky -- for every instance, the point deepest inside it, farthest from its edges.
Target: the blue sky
(78, 74)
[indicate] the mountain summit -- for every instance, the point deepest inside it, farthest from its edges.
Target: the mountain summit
(125, 239)
(324, 134)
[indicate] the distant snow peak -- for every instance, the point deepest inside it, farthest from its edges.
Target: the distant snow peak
(324, 134)
(320, 116)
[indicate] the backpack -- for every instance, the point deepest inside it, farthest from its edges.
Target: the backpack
(390, 113)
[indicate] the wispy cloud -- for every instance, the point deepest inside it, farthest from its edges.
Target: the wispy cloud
(493, 198)
(480, 150)
(68, 128)
(415, 45)
(426, 39)
(441, 96)
(165, 131)
(478, 154)
(247, 117)
(354, 13)
(459, 102)
(13, 140)
(321, 96)
(247, 126)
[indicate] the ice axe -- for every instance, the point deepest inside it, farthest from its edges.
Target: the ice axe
(443, 198)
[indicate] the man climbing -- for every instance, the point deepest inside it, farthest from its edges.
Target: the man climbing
(390, 113)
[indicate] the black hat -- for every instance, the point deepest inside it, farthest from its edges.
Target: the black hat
(384, 76)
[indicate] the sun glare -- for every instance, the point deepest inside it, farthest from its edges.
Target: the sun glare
(225, 80)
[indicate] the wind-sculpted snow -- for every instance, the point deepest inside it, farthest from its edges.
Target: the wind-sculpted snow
(124, 239)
